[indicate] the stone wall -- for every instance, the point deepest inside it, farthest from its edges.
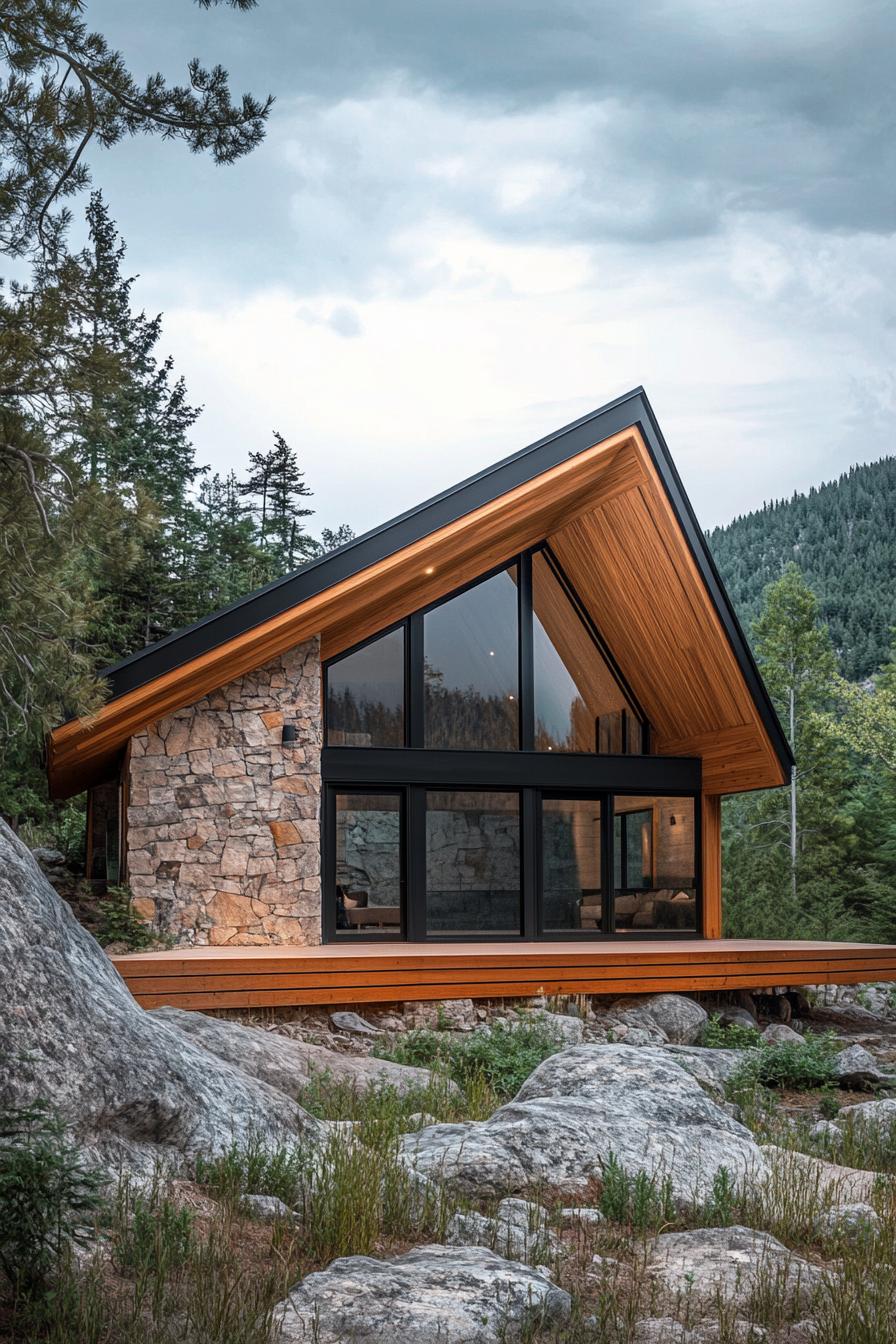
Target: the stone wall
(223, 820)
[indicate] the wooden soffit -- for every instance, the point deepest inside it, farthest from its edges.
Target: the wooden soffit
(610, 521)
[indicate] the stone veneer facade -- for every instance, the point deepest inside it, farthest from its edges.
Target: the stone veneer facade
(223, 837)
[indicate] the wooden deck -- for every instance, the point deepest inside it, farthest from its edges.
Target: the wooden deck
(264, 977)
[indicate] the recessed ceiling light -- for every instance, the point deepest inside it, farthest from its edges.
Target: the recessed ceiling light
(430, 569)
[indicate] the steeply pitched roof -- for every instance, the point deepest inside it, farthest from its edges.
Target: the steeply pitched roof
(597, 461)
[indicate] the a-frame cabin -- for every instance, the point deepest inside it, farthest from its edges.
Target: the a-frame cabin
(479, 750)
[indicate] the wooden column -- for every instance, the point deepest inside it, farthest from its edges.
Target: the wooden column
(712, 864)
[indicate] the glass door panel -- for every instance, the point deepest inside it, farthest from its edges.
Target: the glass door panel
(654, 864)
(473, 873)
(571, 883)
(369, 885)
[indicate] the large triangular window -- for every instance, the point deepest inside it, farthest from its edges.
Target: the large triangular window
(579, 702)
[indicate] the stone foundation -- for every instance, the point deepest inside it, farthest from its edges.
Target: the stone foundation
(223, 838)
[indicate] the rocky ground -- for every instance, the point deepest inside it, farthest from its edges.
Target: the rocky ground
(629, 1171)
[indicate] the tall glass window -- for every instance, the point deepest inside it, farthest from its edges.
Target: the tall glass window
(471, 668)
(654, 864)
(365, 695)
(579, 705)
(473, 874)
(572, 896)
(369, 862)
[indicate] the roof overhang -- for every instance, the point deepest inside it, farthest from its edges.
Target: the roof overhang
(605, 493)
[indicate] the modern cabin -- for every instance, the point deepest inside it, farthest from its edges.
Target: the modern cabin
(480, 750)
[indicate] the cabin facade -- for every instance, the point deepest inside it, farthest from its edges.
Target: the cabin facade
(511, 713)
(504, 720)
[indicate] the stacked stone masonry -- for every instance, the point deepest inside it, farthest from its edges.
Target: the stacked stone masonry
(223, 819)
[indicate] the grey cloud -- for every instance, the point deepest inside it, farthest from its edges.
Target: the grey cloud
(767, 107)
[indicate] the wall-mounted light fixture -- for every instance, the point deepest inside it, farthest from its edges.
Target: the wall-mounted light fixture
(288, 736)
(672, 821)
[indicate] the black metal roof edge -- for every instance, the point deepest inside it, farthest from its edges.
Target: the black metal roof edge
(696, 539)
(633, 408)
(446, 507)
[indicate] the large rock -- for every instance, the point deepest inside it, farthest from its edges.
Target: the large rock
(712, 1068)
(518, 1230)
(432, 1295)
(799, 1177)
(709, 1263)
(578, 1108)
(681, 1020)
(134, 1088)
(288, 1064)
(879, 1116)
(857, 1067)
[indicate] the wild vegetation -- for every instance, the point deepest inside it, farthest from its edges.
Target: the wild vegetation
(195, 1261)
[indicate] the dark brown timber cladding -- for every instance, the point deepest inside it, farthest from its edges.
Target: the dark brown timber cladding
(257, 977)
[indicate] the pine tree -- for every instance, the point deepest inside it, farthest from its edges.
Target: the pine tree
(798, 665)
(61, 87)
(277, 484)
(791, 858)
(227, 556)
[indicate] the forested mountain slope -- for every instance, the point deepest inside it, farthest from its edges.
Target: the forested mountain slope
(843, 537)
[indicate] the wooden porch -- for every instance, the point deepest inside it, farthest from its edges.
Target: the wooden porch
(268, 977)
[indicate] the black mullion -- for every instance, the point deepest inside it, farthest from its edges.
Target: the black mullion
(530, 856)
(415, 730)
(415, 865)
(328, 866)
(526, 654)
(606, 863)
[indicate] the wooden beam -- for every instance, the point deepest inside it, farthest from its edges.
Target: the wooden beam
(711, 847)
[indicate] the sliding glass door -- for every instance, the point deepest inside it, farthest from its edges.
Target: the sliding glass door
(572, 880)
(422, 862)
(367, 872)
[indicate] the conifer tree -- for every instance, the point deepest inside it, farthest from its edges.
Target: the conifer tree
(277, 485)
(790, 858)
(62, 89)
(798, 665)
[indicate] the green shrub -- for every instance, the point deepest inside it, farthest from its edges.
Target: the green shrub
(253, 1170)
(119, 924)
(723, 1199)
(642, 1201)
(829, 1104)
(48, 1197)
(503, 1057)
(153, 1235)
(718, 1035)
(380, 1112)
(800, 1065)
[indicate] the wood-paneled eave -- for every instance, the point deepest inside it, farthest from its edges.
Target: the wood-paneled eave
(625, 536)
(83, 750)
(632, 567)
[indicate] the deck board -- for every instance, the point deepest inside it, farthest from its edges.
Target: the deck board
(282, 976)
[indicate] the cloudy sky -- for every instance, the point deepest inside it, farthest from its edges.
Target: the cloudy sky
(474, 220)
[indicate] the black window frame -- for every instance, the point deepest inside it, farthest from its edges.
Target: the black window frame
(414, 702)
(624, 885)
(414, 783)
(414, 768)
(330, 932)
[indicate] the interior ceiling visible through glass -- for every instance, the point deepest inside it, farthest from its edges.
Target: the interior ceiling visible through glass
(578, 702)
